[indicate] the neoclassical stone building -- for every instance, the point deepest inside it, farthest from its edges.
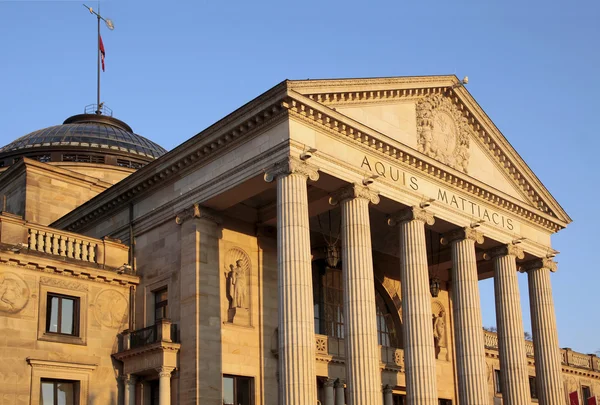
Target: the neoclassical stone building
(321, 244)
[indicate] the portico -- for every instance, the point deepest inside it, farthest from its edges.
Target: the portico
(338, 204)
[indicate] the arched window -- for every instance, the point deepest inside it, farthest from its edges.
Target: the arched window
(329, 308)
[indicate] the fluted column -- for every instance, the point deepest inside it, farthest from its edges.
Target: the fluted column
(297, 375)
(419, 351)
(388, 395)
(164, 385)
(328, 391)
(509, 319)
(548, 368)
(468, 327)
(363, 376)
(340, 397)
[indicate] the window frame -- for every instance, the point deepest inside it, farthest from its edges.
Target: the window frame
(55, 382)
(497, 382)
(235, 384)
(533, 387)
(80, 373)
(585, 388)
(75, 317)
(161, 304)
(50, 289)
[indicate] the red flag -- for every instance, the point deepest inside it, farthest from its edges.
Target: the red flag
(574, 398)
(102, 53)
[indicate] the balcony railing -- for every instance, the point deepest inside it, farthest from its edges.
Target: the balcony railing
(23, 235)
(568, 357)
(162, 331)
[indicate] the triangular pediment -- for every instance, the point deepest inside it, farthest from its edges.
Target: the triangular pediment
(437, 117)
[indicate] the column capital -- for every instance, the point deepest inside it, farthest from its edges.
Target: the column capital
(291, 165)
(538, 263)
(354, 191)
(387, 389)
(504, 250)
(411, 214)
(330, 382)
(462, 234)
(197, 211)
(338, 383)
(165, 371)
(127, 379)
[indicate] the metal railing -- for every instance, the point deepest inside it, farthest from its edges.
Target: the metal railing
(143, 337)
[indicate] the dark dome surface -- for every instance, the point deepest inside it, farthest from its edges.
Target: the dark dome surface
(90, 132)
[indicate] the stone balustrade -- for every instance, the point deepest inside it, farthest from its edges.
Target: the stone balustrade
(568, 357)
(106, 252)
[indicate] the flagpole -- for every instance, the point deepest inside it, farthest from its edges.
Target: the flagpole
(98, 111)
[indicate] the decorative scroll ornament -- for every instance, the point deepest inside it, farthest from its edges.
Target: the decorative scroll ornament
(411, 214)
(354, 191)
(291, 165)
(504, 250)
(197, 211)
(461, 234)
(540, 263)
(14, 293)
(443, 132)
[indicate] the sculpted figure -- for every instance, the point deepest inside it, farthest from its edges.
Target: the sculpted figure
(10, 292)
(439, 327)
(239, 285)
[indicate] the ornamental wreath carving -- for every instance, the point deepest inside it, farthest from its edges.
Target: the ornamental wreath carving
(14, 293)
(443, 132)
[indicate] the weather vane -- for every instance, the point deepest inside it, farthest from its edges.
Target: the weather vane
(101, 53)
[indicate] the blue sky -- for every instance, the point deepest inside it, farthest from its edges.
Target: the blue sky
(175, 67)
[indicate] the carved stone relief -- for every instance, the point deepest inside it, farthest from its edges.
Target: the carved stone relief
(14, 293)
(443, 132)
(237, 274)
(110, 308)
(438, 319)
(62, 283)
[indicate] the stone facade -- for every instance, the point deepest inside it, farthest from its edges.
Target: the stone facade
(295, 289)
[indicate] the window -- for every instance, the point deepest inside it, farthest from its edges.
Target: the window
(498, 381)
(532, 387)
(444, 401)
(58, 392)
(398, 399)
(585, 393)
(328, 295)
(237, 390)
(161, 307)
(62, 315)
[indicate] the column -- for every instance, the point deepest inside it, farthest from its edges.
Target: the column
(468, 327)
(340, 396)
(419, 351)
(509, 319)
(164, 385)
(328, 391)
(363, 376)
(388, 395)
(548, 368)
(129, 389)
(297, 375)
(200, 304)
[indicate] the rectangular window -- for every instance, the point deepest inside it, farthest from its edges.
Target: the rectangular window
(444, 401)
(161, 307)
(58, 392)
(585, 393)
(498, 381)
(398, 399)
(532, 387)
(237, 390)
(62, 315)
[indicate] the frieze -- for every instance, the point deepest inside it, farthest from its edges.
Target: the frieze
(62, 283)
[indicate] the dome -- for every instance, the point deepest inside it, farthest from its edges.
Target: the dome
(92, 138)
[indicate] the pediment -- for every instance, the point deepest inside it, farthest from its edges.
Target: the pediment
(437, 117)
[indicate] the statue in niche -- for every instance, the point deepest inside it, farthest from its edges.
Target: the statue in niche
(238, 286)
(438, 319)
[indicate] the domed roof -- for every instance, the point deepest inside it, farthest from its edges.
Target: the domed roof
(88, 131)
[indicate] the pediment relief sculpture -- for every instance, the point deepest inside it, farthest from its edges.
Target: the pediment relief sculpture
(443, 131)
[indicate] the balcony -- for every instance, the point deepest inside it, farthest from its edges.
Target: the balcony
(146, 349)
(568, 356)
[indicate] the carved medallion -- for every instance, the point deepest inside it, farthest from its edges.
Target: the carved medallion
(443, 132)
(111, 308)
(14, 293)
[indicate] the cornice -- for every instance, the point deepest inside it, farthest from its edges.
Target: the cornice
(324, 118)
(62, 365)
(488, 135)
(67, 269)
(158, 347)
